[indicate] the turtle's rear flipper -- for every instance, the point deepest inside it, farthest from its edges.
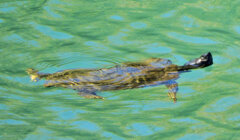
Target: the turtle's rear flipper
(90, 95)
(172, 90)
(35, 75)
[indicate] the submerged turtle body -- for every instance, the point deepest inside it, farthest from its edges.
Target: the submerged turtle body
(155, 71)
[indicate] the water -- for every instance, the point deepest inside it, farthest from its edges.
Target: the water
(51, 35)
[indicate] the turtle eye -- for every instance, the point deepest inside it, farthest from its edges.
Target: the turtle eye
(203, 59)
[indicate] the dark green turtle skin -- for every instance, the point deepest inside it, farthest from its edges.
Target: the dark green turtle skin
(152, 72)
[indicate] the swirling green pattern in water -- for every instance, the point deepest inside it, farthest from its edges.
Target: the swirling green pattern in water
(52, 35)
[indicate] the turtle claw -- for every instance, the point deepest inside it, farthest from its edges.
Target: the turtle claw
(172, 97)
(174, 100)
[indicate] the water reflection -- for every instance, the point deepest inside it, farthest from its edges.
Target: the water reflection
(116, 17)
(202, 136)
(7, 9)
(48, 31)
(168, 14)
(191, 39)
(189, 22)
(139, 106)
(15, 38)
(50, 12)
(112, 136)
(44, 134)
(220, 60)
(12, 122)
(138, 25)
(184, 120)
(186, 91)
(85, 125)
(118, 39)
(237, 28)
(156, 48)
(64, 113)
(223, 104)
(141, 129)
(235, 118)
(4, 107)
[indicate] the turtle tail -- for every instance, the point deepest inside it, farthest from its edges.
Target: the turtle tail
(34, 76)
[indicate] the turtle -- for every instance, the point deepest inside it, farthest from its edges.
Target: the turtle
(128, 75)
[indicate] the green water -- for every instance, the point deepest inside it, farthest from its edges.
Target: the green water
(52, 35)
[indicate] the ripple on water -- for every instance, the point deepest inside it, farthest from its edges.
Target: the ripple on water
(55, 92)
(201, 136)
(156, 48)
(193, 75)
(138, 106)
(75, 60)
(116, 17)
(48, 31)
(198, 126)
(192, 39)
(65, 113)
(4, 107)
(50, 12)
(141, 129)
(220, 60)
(44, 134)
(184, 120)
(112, 136)
(85, 125)
(237, 29)
(118, 39)
(19, 98)
(235, 118)
(223, 104)
(168, 14)
(234, 70)
(12, 122)
(233, 51)
(178, 59)
(186, 91)
(7, 9)
(98, 47)
(188, 22)
(14, 37)
(138, 25)
(58, 2)
(33, 43)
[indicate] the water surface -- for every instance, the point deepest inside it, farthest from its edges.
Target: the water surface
(51, 35)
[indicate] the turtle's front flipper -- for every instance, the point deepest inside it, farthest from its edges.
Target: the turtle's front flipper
(90, 95)
(172, 90)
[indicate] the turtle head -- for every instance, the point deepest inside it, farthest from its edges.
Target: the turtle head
(201, 62)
